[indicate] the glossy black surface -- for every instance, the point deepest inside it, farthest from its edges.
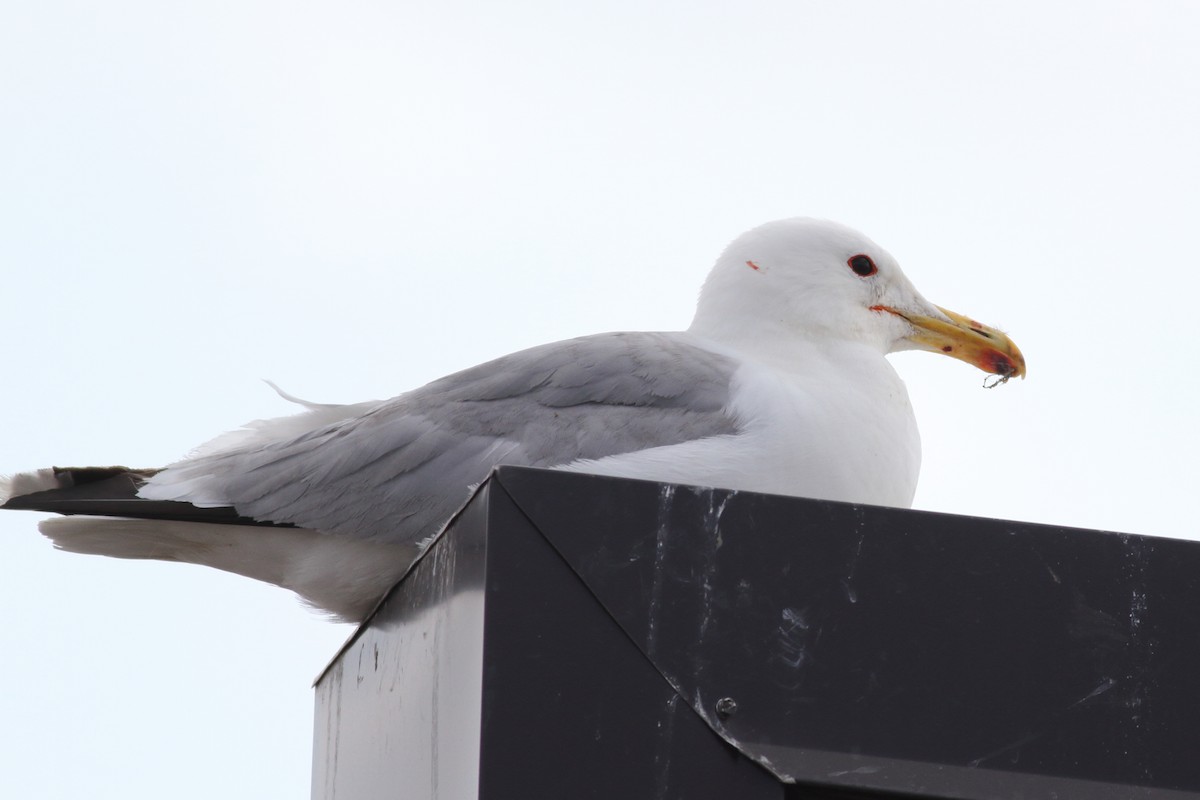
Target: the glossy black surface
(631, 640)
(898, 649)
(570, 708)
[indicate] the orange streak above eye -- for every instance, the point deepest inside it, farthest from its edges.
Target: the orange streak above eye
(753, 266)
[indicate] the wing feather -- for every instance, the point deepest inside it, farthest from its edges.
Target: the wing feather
(397, 469)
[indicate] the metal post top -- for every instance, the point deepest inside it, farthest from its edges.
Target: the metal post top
(867, 647)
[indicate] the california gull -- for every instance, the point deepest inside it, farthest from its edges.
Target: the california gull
(779, 385)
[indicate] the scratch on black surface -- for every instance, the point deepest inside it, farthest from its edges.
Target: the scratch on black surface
(1140, 646)
(1008, 748)
(1099, 690)
(848, 582)
(712, 527)
(662, 758)
(793, 637)
(864, 770)
(712, 519)
(666, 497)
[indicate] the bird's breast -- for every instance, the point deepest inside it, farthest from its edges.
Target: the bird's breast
(842, 431)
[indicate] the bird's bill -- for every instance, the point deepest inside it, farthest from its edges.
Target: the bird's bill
(965, 339)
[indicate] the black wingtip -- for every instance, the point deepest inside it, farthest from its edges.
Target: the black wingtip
(112, 492)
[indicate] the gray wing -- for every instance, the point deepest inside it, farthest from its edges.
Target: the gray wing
(399, 470)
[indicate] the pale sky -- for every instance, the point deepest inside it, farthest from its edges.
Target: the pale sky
(352, 199)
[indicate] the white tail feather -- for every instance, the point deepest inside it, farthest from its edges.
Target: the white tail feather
(341, 576)
(27, 483)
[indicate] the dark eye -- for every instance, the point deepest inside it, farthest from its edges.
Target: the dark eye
(862, 265)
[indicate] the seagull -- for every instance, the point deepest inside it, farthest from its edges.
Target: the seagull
(780, 385)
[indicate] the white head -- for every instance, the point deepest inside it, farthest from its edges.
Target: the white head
(815, 280)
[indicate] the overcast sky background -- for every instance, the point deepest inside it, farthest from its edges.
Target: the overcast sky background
(352, 199)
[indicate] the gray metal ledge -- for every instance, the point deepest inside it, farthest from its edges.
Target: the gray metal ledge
(572, 636)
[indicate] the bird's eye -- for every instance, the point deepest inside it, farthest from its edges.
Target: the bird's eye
(862, 265)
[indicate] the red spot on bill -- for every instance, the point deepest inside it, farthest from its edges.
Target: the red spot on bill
(948, 349)
(753, 266)
(999, 364)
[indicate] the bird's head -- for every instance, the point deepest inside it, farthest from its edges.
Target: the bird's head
(814, 279)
